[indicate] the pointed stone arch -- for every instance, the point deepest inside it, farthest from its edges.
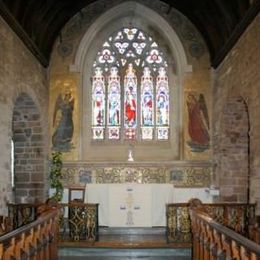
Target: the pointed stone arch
(233, 168)
(28, 152)
(131, 13)
(128, 12)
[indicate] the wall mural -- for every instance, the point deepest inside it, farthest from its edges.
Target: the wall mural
(198, 122)
(63, 122)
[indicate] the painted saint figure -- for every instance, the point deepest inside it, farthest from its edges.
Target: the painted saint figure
(148, 110)
(147, 97)
(130, 83)
(114, 98)
(114, 111)
(130, 108)
(98, 98)
(61, 139)
(198, 126)
(162, 110)
(98, 109)
(162, 98)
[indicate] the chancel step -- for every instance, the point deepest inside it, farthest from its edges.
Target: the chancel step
(133, 238)
(127, 243)
(124, 254)
(132, 231)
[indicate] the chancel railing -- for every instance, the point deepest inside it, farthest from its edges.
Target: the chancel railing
(5, 225)
(78, 222)
(212, 240)
(22, 214)
(237, 216)
(178, 229)
(254, 230)
(36, 240)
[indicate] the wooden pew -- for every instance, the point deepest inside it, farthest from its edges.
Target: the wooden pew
(237, 216)
(5, 225)
(37, 240)
(254, 231)
(212, 240)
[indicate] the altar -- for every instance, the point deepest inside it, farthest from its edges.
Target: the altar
(130, 204)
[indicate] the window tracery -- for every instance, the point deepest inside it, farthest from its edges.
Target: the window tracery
(130, 89)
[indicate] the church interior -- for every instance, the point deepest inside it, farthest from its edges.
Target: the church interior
(130, 119)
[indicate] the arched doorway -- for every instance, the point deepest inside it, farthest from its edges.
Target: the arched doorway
(28, 148)
(234, 152)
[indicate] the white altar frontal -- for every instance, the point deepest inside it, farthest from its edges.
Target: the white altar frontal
(130, 204)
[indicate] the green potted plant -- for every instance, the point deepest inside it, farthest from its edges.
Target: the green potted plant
(55, 175)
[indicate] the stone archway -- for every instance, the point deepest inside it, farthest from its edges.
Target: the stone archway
(233, 168)
(28, 150)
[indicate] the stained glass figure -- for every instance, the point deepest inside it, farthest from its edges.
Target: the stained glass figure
(162, 104)
(98, 104)
(130, 101)
(114, 103)
(147, 107)
(147, 98)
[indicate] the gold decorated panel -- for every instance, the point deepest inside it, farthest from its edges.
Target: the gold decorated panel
(179, 175)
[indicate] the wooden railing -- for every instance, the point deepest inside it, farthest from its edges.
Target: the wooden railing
(254, 231)
(236, 216)
(22, 214)
(254, 234)
(36, 240)
(5, 225)
(78, 221)
(211, 240)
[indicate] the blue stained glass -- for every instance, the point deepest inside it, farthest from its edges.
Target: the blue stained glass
(114, 104)
(162, 99)
(147, 98)
(98, 99)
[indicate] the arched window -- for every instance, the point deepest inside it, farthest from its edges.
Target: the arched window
(130, 91)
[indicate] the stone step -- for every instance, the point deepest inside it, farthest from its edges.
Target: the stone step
(132, 231)
(99, 253)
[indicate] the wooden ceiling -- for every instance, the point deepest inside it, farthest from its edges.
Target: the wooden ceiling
(39, 22)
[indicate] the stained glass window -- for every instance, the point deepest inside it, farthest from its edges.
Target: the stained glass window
(114, 104)
(130, 89)
(98, 104)
(130, 103)
(147, 104)
(162, 105)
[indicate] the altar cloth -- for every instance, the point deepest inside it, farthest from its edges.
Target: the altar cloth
(130, 204)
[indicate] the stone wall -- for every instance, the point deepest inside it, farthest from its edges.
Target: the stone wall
(238, 78)
(20, 72)
(28, 151)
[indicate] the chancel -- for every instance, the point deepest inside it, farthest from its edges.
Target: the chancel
(131, 126)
